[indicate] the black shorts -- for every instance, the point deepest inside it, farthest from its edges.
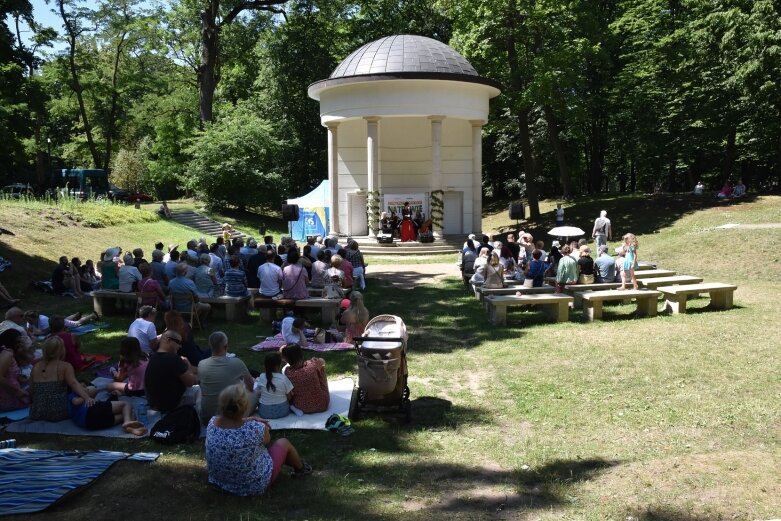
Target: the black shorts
(138, 392)
(99, 416)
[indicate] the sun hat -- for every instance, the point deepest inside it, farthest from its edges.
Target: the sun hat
(556, 244)
(172, 247)
(110, 254)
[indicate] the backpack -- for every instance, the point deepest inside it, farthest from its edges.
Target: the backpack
(178, 426)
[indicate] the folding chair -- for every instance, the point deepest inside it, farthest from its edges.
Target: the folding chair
(190, 304)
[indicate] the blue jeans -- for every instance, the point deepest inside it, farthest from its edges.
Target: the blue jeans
(270, 412)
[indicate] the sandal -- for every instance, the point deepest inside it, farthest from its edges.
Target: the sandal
(305, 470)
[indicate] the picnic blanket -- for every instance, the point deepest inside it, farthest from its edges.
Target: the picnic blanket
(273, 343)
(88, 328)
(32, 480)
(341, 393)
(68, 428)
(340, 390)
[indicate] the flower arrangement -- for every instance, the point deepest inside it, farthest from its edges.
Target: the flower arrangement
(373, 210)
(437, 207)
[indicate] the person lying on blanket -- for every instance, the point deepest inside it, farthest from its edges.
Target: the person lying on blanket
(102, 414)
(38, 325)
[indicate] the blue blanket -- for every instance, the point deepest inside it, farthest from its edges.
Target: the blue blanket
(32, 480)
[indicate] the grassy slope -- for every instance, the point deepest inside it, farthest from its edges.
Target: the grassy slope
(669, 418)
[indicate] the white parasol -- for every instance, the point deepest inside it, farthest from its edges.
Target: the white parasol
(566, 231)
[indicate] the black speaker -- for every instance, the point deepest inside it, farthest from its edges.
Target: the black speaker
(289, 212)
(516, 211)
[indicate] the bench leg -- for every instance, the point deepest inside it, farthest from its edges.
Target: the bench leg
(721, 299)
(561, 312)
(592, 310)
(97, 306)
(676, 304)
(266, 315)
(647, 307)
(328, 315)
(497, 315)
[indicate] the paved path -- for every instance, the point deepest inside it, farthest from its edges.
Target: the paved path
(408, 276)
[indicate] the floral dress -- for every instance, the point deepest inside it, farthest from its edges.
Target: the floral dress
(237, 460)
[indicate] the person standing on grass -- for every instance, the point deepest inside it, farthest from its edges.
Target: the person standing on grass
(630, 260)
(567, 271)
(603, 230)
(559, 215)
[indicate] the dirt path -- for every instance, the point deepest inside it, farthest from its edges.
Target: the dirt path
(408, 276)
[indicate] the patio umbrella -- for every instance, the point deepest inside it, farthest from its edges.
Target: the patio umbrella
(566, 231)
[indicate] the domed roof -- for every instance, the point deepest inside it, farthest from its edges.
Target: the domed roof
(402, 54)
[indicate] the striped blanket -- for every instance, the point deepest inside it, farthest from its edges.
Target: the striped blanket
(273, 343)
(32, 480)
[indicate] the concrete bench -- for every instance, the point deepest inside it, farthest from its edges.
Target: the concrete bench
(675, 296)
(648, 274)
(482, 293)
(267, 306)
(593, 300)
(576, 290)
(108, 302)
(235, 308)
(556, 306)
(675, 280)
(645, 265)
(328, 308)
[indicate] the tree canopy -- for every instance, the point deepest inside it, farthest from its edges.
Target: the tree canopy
(209, 97)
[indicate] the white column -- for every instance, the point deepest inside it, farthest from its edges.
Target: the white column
(372, 157)
(477, 175)
(436, 158)
(333, 174)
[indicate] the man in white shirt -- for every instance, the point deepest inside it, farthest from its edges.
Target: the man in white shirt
(144, 329)
(293, 331)
(270, 276)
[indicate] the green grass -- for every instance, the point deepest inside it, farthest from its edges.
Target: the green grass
(667, 418)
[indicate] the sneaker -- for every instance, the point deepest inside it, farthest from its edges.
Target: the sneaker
(303, 471)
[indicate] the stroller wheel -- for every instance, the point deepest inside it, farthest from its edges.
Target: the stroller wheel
(405, 394)
(361, 396)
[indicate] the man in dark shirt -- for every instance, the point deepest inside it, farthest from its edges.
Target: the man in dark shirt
(169, 378)
(253, 264)
(514, 247)
(58, 276)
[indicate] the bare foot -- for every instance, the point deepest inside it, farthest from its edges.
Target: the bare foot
(135, 428)
(622, 288)
(518, 294)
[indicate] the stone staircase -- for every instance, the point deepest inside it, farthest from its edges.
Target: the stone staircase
(203, 224)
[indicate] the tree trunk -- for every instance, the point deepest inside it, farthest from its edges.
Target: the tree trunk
(76, 86)
(729, 156)
(207, 70)
(517, 84)
(632, 175)
(672, 174)
(558, 149)
(532, 192)
(778, 160)
(111, 130)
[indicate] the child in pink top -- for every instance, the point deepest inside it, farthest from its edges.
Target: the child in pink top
(132, 366)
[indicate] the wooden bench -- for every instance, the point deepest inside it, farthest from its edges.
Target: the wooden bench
(554, 305)
(648, 274)
(593, 300)
(108, 302)
(576, 290)
(235, 308)
(675, 280)
(328, 308)
(512, 290)
(675, 296)
(267, 306)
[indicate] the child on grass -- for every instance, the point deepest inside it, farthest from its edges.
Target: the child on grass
(275, 389)
(132, 367)
(630, 260)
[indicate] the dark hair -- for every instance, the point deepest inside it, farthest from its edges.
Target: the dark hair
(174, 254)
(536, 254)
(293, 256)
(281, 249)
(213, 247)
(272, 362)
(307, 250)
(268, 239)
(342, 253)
(470, 245)
(159, 246)
(145, 269)
(321, 255)
(235, 261)
(130, 351)
(293, 354)
(299, 322)
(9, 338)
(76, 261)
(57, 324)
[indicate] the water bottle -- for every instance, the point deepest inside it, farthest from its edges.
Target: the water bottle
(141, 413)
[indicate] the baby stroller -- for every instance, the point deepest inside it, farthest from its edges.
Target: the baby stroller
(382, 368)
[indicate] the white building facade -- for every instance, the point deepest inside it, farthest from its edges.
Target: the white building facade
(404, 116)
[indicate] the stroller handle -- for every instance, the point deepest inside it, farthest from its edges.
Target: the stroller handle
(377, 339)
